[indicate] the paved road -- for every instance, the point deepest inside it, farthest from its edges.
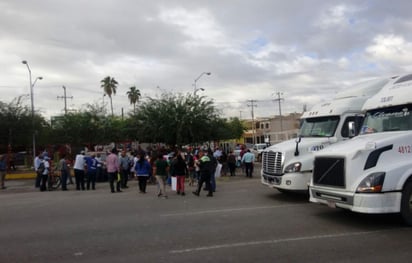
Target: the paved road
(243, 222)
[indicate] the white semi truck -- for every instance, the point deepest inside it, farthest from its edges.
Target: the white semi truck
(287, 166)
(372, 173)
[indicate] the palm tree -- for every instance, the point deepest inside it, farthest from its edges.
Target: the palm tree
(109, 86)
(133, 95)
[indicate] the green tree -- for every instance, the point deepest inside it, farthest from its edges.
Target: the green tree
(133, 95)
(175, 119)
(85, 127)
(19, 126)
(109, 86)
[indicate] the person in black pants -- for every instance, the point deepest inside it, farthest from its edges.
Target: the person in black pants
(79, 170)
(206, 168)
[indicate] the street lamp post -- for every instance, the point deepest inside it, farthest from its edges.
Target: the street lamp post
(195, 89)
(32, 105)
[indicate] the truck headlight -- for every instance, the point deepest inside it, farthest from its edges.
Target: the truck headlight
(293, 168)
(373, 183)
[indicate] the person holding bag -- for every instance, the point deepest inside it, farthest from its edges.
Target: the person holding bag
(180, 171)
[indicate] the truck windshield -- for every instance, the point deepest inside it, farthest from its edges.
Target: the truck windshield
(398, 118)
(319, 127)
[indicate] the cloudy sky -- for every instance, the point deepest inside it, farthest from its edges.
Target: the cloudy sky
(304, 50)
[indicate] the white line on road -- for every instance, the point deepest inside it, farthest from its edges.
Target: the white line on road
(229, 210)
(274, 241)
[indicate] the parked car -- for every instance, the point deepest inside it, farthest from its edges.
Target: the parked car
(258, 149)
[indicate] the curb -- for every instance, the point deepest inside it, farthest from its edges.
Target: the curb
(31, 175)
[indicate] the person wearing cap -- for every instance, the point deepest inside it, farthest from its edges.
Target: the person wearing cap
(79, 170)
(206, 168)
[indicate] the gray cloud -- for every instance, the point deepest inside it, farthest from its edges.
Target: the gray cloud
(308, 50)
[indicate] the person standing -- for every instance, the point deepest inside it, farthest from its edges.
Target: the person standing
(206, 168)
(214, 161)
(3, 165)
(64, 171)
(143, 170)
(91, 164)
(99, 168)
(124, 169)
(132, 165)
(197, 167)
(37, 161)
(161, 170)
(231, 162)
(44, 173)
(79, 170)
(191, 167)
(179, 169)
(112, 165)
(248, 159)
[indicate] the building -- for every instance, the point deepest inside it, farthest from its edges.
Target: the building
(272, 130)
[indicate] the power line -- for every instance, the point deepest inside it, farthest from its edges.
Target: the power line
(65, 99)
(279, 99)
(252, 105)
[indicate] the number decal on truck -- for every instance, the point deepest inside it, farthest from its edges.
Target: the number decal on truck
(404, 149)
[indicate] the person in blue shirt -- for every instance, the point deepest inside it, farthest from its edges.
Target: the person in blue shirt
(91, 163)
(2, 171)
(143, 171)
(248, 159)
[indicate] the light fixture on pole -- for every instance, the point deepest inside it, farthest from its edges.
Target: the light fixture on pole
(32, 106)
(195, 89)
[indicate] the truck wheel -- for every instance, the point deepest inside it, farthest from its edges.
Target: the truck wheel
(406, 203)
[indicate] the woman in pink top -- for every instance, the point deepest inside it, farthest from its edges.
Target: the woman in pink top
(112, 164)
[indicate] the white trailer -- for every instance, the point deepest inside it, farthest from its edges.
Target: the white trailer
(287, 166)
(372, 173)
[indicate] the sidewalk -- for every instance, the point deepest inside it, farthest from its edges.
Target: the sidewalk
(24, 179)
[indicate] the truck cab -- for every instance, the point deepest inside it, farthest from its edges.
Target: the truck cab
(288, 166)
(372, 173)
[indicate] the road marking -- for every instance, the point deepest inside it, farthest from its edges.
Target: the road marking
(229, 210)
(274, 241)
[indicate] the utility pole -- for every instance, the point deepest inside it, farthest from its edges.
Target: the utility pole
(65, 99)
(279, 99)
(251, 103)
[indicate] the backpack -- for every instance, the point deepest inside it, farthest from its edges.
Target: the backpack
(41, 168)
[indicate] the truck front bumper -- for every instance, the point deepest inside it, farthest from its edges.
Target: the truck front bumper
(370, 203)
(289, 181)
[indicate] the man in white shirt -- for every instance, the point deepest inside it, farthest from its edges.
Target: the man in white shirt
(44, 173)
(79, 171)
(37, 161)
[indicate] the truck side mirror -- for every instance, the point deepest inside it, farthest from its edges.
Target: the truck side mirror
(351, 129)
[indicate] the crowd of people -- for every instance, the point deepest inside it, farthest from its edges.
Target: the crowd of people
(200, 165)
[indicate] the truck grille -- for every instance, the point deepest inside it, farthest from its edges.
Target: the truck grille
(329, 171)
(272, 163)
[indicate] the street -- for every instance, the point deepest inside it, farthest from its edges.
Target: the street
(243, 222)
